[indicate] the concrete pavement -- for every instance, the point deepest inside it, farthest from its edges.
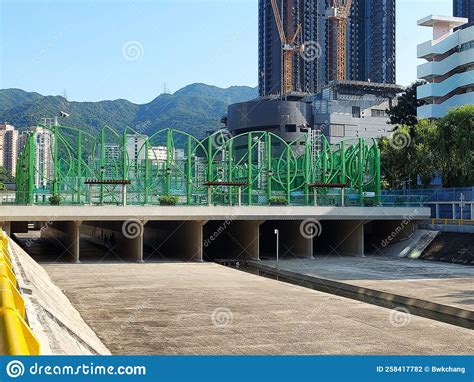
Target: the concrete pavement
(209, 309)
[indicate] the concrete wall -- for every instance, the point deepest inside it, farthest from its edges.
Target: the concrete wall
(340, 238)
(232, 239)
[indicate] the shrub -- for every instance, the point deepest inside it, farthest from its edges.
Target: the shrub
(55, 200)
(168, 200)
(278, 201)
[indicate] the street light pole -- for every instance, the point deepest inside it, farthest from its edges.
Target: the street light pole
(277, 233)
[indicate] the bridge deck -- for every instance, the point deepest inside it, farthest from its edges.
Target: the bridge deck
(176, 213)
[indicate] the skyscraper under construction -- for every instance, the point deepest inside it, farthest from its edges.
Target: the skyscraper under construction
(370, 43)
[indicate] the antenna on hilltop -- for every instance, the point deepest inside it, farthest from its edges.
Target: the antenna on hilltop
(165, 89)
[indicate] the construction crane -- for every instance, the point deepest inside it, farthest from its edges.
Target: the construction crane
(337, 15)
(290, 46)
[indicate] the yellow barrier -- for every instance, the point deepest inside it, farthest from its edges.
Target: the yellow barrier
(452, 221)
(16, 337)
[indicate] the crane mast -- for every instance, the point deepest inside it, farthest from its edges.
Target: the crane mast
(338, 14)
(290, 46)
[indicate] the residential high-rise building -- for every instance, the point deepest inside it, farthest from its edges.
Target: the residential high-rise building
(44, 142)
(8, 147)
(370, 43)
(464, 8)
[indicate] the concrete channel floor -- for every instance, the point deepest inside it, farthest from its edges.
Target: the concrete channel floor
(170, 308)
(443, 283)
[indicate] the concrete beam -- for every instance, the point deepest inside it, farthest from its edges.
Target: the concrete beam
(203, 213)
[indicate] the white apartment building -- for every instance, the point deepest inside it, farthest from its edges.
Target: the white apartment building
(8, 147)
(43, 156)
(449, 67)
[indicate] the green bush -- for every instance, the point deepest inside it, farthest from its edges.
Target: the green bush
(168, 200)
(55, 200)
(278, 201)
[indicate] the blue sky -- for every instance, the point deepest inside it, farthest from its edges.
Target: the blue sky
(102, 49)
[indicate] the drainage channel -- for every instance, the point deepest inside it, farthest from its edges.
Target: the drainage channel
(427, 309)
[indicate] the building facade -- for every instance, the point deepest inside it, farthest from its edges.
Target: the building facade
(350, 110)
(449, 66)
(465, 9)
(8, 147)
(44, 143)
(371, 43)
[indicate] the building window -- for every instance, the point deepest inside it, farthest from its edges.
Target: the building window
(291, 129)
(378, 113)
(355, 112)
(337, 130)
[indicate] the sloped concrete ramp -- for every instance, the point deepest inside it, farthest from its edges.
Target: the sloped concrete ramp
(56, 323)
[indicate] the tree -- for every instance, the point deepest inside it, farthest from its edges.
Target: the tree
(444, 147)
(453, 147)
(6, 176)
(404, 112)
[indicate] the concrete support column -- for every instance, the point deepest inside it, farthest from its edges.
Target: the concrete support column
(76, 239)
(69, 234)
(247, 235)
(189, 240)
(294, 240)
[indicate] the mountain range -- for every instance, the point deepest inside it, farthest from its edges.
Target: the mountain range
(196, 109)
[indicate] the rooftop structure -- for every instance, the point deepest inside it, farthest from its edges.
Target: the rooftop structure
(450, 59)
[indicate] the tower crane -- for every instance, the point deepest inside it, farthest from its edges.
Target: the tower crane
(290, 46)
(337, 15)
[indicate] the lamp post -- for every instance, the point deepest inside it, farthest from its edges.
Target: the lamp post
(277, 234)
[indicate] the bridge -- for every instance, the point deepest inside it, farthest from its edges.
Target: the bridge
(205, 233)
(202, 199)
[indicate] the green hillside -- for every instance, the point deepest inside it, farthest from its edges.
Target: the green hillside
(196, 109)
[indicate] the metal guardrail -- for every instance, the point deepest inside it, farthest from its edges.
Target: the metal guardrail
(460, 222)
(16, 338)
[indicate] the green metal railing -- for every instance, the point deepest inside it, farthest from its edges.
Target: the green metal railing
(172, 162)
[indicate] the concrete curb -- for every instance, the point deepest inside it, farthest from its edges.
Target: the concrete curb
(424, 308)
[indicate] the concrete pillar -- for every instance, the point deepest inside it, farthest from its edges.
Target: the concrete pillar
(188, 240)
(69, 234)
(247, 234)
(76, 239)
